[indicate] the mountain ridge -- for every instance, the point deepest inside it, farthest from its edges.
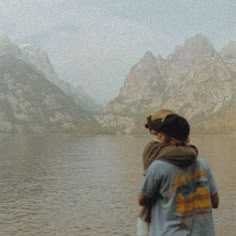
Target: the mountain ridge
(195, 81)
(30, 101)
(41, 61)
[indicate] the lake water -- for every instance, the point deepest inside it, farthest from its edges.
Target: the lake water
(85, 186)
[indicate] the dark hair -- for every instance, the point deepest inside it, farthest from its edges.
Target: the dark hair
(172, 125)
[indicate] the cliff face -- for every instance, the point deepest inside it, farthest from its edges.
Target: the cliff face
(40, 60)
(200, 82)
(144, 80)
(29, 100)
(195, 81)
(228, 53)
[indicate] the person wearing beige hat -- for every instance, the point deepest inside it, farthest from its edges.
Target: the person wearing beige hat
(178, 189)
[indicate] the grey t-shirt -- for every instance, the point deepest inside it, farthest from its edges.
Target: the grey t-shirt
(183, 204)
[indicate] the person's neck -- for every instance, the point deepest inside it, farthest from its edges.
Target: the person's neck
(176, 142)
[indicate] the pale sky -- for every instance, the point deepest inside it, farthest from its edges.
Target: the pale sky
(94, 43)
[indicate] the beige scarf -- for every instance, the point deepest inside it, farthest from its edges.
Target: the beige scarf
(180, 155)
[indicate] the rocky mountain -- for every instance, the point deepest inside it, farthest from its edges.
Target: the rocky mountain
(228, 53)
(81, 97)
(6, 47)
(29, 100)
(40, 60)
(144, 80)
(195, 81)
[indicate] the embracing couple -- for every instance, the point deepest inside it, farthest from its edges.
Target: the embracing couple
(178, 191)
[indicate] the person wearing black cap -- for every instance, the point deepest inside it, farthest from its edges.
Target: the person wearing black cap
(179, 191)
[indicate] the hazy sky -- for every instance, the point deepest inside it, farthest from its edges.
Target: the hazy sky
(94, 43)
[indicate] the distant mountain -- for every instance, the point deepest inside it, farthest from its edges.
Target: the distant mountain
(144, 80)
(81, 97)
(40, 60)
(7, 47)
(29, 100)
(195, 81)
(228, 53)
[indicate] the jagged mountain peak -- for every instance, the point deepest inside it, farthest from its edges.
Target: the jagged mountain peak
(198, 38)
(149, 56)
(29, 49)
(7, 47)
(32, 98)
(147, 60)
(200, 45)
(142, 79)
(195, 46)
(39, 59)
(194, 81)
(144, 63)
(196, 54)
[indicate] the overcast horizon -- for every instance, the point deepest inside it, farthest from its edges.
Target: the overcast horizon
(94, 44)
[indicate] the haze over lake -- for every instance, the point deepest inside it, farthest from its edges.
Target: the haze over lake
(73, 185)
(73, 72)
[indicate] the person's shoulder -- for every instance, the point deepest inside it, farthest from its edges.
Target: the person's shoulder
(161, 165)
(202, 162)
(162, 169)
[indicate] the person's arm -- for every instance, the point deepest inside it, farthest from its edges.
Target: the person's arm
(213, 190)
(149, 186)
(142, 200)
(215, 200)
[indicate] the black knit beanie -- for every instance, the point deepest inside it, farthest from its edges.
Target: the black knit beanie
(172, 125)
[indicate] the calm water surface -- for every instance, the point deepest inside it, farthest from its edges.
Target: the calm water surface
(85, 186)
